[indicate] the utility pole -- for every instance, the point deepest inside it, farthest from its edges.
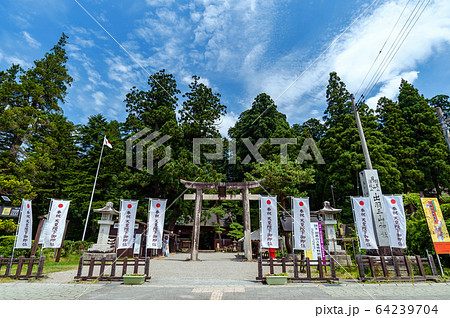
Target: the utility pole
(443, 123)
(372, 189)
(361, 135)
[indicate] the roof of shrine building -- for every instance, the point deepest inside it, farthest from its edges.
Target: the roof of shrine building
(211, 220)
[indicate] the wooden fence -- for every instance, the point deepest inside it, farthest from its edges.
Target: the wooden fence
(112, 269)
(303, 270)
(399, 268)
(25, 268)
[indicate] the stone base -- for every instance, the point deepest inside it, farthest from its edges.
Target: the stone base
(99, 255)
(100, 248)
(341, 258)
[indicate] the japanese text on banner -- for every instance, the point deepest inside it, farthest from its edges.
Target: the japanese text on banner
(301, 223)
(125, 234)
(156, 214)
(269, 222)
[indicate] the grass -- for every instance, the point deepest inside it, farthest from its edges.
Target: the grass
(50, 266)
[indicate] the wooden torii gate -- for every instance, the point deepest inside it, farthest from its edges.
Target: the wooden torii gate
(222, 187)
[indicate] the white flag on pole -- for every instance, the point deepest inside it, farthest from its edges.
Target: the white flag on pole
(269, 222)
(106, 143)
(156, 214)
(301, 225)
(24, 233)
(125, 233)
(56, 223)
(395, 215)
(364, 223)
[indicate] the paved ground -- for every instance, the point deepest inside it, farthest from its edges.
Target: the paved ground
(217, 276)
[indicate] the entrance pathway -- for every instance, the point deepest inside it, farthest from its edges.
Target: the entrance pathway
(216, 276)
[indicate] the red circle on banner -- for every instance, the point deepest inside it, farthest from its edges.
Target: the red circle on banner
(393, 201)
(28, 206)
(158, 205)
(129, 206)
(268, 202)
(301, 203)
(60, 205)
(361, 202)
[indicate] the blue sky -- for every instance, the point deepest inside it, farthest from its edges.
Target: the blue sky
(239, 48)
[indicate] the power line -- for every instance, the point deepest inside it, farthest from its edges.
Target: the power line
(395, 46)
(314, 62)
(382, 47)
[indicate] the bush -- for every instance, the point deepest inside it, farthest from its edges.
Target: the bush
(69, 247)
(75, 247)
(7, 244)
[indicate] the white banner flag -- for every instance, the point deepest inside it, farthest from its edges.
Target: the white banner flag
(395, 214)
(364, 222)
(155, 227)
(56, 223)
(317, 247)
(125, 233)
(301, 223)
(24, 235)
(371, 188)
(269, 222)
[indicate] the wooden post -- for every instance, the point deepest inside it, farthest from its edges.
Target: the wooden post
(40, 266)
(147, 268)
(30, 266)
(58, 256)
(332, 268)
(196, 224)
(372, 268)
(408, 266)
(319, 267)
(136, 266)
(420, 265)
(283, 265)
(396, 266)
(37, 236)
(260, 269)
(124, 265)
(294, 260)
(360, 263)
(308, 268)
(271, 265)
(384, 267)
(19, 266)
(80, 268)
(102, 267)
(247, 225)
(91, 267)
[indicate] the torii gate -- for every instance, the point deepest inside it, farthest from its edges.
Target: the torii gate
(245, 197)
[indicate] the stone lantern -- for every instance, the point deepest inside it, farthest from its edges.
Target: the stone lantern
(328, 221)
(102, 245)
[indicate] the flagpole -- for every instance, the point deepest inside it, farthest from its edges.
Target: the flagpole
(93, 189)
(15, 239)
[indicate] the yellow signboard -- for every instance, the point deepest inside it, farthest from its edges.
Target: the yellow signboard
(436, 225)
(6, 211)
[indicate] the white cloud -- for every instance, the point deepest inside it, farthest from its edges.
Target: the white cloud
(30, 40)
(225, 122)
(351, 57)
(99, 98)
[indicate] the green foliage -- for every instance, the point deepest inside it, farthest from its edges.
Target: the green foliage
(237, 231)
(7, 226)
(44, 155)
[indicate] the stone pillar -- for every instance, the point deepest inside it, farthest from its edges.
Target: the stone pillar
(196, 225)
(247, 225)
